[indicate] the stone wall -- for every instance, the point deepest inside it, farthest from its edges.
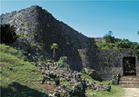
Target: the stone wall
(98, 40)
(107, 62)
(41, 29)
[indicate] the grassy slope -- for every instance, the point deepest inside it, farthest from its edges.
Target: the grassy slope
(21, 82)
(116, 91)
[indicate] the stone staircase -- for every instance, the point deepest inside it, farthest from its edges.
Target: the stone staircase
(129, 81)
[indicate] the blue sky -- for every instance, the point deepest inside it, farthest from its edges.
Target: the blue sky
(93, 18)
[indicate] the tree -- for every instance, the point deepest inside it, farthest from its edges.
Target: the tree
(138, 32)
(54, 46)
(109, 38)
(7, 33)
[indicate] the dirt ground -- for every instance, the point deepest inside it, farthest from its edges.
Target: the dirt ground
(131, 92)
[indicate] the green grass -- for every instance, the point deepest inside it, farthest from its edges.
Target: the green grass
(116, 91)
(19, 81)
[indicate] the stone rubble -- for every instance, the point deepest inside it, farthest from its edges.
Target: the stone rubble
(60, 73)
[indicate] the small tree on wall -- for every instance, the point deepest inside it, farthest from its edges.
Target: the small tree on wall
(54, 46)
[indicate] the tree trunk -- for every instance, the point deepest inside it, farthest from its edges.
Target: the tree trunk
(53, 56)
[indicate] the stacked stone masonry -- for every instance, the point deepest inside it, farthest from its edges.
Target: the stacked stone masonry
(107, 62)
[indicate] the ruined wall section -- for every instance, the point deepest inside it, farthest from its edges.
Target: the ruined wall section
(137, 67)
(41, 29)
(107, 62)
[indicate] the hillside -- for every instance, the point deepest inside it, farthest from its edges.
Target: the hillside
(36, 79)
(39, 29)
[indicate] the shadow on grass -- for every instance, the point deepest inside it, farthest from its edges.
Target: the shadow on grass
(17, 90)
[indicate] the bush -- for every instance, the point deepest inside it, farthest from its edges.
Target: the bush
(109, 39)
(8, 34)
(20, 35)
(21, 23)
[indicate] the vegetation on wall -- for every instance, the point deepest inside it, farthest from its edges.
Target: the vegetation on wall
(136, 49)
(115, 43)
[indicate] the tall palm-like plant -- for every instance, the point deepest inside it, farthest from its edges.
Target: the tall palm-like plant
(54, 46)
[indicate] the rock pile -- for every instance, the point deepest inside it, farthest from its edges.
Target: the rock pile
(60, 74)
(77, 85)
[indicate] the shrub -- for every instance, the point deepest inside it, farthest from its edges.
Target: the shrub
(47, 25)
(23, 29)
(11, 15)
(20, 35)
(14, 20)
(8, 34)
(37, 23)
(32, 10)
(46, 11)
(32, 33)
(21, 23)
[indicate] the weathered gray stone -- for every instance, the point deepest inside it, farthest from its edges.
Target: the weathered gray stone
(91, 94)
(114, 82)
(108, 88)
(63, 86)
(32, 70)
(108, 83)
(57, 81)
(43, 80)
(67, 78)
(77, 75)
(10, 68)
(52, 74)
(57, 93)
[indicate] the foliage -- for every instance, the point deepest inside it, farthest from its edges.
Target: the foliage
(11, 15)
(21, 23)
(54, 46)
(136, 49)
(119, 43)
(116, 43)
(8, 34)
(109, 38)
(105, 45)
(20, 35)
(32, 33)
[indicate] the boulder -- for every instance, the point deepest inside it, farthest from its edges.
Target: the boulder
(77, 75)
(108, 88)
(64, 59)
(10, 68)
(52, 74)
(108, 83)
(57, 94)
(79, 90)
(114, 81)
(57, 81)
(63, 86)
(67, 78)
(43, 80)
